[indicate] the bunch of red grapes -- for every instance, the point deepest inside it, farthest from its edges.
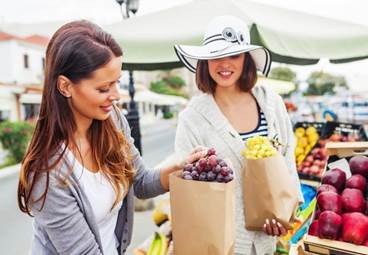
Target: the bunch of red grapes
(210, 169)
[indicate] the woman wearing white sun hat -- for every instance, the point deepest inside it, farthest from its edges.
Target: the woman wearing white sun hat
(231, 109)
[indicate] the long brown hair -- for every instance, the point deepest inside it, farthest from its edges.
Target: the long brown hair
(206, 84)
(76, 50)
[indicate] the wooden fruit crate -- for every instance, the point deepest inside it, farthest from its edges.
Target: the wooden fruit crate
(316, 245)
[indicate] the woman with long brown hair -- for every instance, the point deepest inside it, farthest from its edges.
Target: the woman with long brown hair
(81, 170)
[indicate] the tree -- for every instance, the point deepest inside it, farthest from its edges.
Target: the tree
(170, 86)
(283, 73)
(321, 83)
(175, 82)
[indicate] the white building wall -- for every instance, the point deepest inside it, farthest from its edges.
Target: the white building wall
(12, 68)
(34, 73)
(7, 61)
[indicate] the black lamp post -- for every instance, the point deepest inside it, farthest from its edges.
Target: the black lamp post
(133, 114)
(130, 6)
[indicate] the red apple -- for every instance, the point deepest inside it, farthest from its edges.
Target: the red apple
(359, 165)
(317, 213)
(329, 225)
(306, 164)
(326, 187)
(314, 169)
(322, 143)
(355, 228)
(306, 170)
(329, 201)
(335, 138)
(357, 181)
(335, 177)
(315, 151)
(323, 153)
(313, 228)
(309, 158)
(353, 200)
(317, 162)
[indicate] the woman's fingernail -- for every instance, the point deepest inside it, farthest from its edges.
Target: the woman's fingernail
(273, 221)
(279, 225)
(267, 221)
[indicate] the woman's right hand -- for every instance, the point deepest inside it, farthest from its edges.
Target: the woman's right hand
(274, 228)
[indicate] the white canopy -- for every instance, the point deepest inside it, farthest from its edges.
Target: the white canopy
(293, 35)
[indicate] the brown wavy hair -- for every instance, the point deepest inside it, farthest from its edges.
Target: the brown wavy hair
(76, 50)
(248, 78)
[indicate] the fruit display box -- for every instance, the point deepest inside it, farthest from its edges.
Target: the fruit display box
(316, 245)
(305, 124)
(346, 131)
(313, 163)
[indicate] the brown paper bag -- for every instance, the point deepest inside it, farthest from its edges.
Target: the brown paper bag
(269, 192)
(203, 216)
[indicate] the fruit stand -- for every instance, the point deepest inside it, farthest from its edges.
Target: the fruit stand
(333, 169)
(311, 137)
(340, 224)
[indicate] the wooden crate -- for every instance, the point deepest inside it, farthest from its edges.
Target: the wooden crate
(316, 245)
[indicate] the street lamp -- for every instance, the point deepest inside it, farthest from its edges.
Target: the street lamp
(133, 114)
(130, 6)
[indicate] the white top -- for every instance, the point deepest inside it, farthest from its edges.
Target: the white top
(101, 196)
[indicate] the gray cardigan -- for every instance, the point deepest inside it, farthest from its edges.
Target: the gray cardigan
(66, 224)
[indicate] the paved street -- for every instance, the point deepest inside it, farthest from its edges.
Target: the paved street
(15, 227)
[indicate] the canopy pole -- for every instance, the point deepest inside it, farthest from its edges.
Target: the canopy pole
(133, 115)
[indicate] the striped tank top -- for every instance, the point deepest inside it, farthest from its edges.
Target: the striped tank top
(260, 130)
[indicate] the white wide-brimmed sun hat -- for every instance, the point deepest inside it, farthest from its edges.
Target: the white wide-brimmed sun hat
(225, 36)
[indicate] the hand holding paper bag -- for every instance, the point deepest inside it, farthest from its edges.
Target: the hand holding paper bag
(269, 191)
(203, 208)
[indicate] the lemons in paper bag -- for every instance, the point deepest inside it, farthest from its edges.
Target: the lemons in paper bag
(258, 147)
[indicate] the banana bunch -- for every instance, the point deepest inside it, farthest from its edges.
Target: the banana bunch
(159, 245)
(161, 213)
(258, 147)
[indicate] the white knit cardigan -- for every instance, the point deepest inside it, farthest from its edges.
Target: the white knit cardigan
(203, 123)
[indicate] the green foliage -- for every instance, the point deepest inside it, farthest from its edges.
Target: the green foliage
(14, 137)
(168, 115)
(320, 83)
(168, 86)
(283, 73)
(175, 82)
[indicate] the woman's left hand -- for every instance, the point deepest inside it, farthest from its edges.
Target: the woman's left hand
(274, 228)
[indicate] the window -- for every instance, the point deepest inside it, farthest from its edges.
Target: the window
(25, 60)
(31, 111)
(4, 115)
